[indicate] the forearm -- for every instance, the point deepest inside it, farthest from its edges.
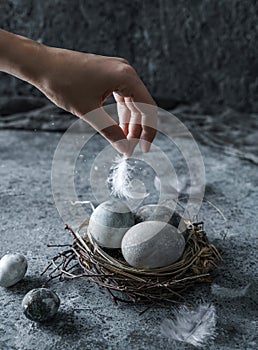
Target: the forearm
(80, 83)
(21, 57)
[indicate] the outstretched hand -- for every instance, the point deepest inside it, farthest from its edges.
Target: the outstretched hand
(80, 83)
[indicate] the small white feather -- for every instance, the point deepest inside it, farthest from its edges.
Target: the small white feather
(191, 326)
(120, 179)
(229, 293)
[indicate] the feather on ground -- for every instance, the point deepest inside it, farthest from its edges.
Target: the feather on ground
(229, 293)
(191, 326)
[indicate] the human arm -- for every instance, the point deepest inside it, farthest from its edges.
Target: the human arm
(80, 82)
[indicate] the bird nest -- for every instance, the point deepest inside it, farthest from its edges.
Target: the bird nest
(108, 269)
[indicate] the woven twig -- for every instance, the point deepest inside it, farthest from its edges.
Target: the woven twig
(128, 284)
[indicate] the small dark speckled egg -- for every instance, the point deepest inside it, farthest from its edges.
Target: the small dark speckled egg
(40, 304)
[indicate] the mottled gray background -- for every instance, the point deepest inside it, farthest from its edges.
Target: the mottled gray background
(194, 51)
(200, 59)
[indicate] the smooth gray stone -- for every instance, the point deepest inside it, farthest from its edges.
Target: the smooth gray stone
(109, 222)
(113, 213)
(152, 244)
(154, 212)
(13, 268)
(40, 304)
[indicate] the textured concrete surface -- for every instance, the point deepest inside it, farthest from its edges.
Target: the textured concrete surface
(185, 51)
(87, 318)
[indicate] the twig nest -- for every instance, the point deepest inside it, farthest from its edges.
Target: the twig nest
(152, 244)
(109, 222)
(13, 268)
(40, 304)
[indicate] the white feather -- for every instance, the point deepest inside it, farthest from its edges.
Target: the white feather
(120, 179)
(191, 326)
(229, 293)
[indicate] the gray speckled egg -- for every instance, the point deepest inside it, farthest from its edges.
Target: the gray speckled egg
(155, 212)
(152, 244)
(40, 304)
(109, 222)
(13, 267)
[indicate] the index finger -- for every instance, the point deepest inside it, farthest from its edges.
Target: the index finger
(144, 103)
(148, 108)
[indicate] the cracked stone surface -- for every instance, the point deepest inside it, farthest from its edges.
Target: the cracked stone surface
(87, 318)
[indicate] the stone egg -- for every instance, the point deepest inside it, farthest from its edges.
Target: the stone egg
(13, 268)
(152, 244)
(155, 212)
(109, 222)
(40, 304)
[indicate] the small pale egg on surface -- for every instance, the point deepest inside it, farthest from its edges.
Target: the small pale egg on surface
(152, 244)
(109, 222)
(40, 304)
(13, 267)
(155, 212)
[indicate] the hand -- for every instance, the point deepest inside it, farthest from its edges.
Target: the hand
(80, 83)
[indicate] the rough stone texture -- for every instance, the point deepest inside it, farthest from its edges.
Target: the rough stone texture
(185, 51)
(12, 269)
(31, 113)
(152, 244)
(109, 222)
(154, 212)
(87, 319)
(40, 304)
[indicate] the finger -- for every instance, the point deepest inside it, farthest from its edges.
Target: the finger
(123, 113)
(149, 114)
(147, 136)
(119, 59)
(145, 104)
(148, 123)
(101, 121)
(134, 128)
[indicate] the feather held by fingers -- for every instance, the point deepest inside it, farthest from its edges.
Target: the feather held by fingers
(191, 326)
(121, 180)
